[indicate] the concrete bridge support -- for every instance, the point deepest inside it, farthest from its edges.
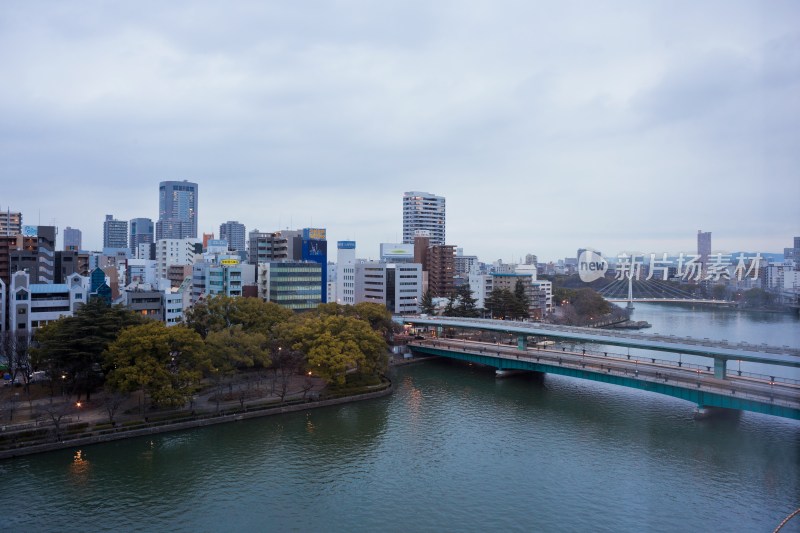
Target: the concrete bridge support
(522, 342)
(720, 367)
(704, 412)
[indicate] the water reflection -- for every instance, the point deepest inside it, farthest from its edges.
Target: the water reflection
(452, 449)
(79, 469)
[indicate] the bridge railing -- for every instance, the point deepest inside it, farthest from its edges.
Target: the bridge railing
(578, 349)
(702, 380)
(705, 342)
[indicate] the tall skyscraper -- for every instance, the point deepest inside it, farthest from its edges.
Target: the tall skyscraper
(72, 239)
(703, 245)
(141, 233)
(115, 233)
(10, 223)
(233, 232)
(177, 210)
(423, 211)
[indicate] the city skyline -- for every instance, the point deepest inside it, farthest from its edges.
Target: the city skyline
(547, 128)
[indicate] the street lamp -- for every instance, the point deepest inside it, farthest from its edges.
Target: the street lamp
(78, 405)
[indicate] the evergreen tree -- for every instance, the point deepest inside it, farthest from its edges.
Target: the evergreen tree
(521, 303)
(71, 349)
(466, 302)
(426, 305)
(450, 309)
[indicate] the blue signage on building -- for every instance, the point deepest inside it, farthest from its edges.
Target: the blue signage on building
(317, 251)
(346, 245)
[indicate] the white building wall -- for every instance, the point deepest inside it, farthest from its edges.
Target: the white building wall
(481, 287)
(408, 288)
(173, 252)
(370, 282)
(345, 276)
(26, 313)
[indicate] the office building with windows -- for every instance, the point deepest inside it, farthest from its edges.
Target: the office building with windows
(177, 210)
(72, 239)
(115, 233)
(233, 232)
(142, 231)
(295, 285)
(10, 223)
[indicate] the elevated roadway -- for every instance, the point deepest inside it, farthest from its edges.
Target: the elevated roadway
(690, 382)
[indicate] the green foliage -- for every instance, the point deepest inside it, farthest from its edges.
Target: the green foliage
(589, 303)
(450, 307)
(426, 305)
(221, 312)
(165, 363)
(73, 346)
(562, 295)
(719, 291)
(235, 349)
(461, 303)
(521, 303)
(757, 298)
(504, 304)
(335, 344)
(378, 317)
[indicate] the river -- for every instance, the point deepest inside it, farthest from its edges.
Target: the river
(453, 449)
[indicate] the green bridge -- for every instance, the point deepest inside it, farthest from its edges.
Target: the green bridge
(706, 386)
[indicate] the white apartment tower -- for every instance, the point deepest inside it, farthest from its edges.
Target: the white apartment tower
(423, 211)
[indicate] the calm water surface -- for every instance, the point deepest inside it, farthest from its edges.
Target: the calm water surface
(453, 449)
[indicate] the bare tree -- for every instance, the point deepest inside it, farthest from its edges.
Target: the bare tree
(287, 363)
(308, 384)
(112, 401)
(14, 352)
(56, 411)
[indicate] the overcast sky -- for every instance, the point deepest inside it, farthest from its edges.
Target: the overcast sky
(548, 126)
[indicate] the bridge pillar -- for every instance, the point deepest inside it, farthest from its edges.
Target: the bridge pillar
(720, 365)
(522, 342)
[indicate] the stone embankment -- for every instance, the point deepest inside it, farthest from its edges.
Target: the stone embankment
(17, 443)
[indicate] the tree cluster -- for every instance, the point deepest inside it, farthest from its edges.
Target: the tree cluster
(505, 304)
(221, 337)
(583, 306)
(462, 304)
(71, 350)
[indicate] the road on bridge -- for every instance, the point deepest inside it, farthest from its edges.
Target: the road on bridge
(785, 393)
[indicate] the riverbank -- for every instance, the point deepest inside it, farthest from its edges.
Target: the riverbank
(29, 441)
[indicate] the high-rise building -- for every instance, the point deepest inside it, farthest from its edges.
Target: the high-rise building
(177, 210)
(34, 252)
(703, 245)
(464, 264)
(423, 211)
(398, 286)
(345, 272)
(174, 252)
(271, 246)
(72, 239)
(233, 232)
(141, 233)
(10, 223)
(422, 241)
(292, 284)
(314, 248)
(441, 270)
(115, 233)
